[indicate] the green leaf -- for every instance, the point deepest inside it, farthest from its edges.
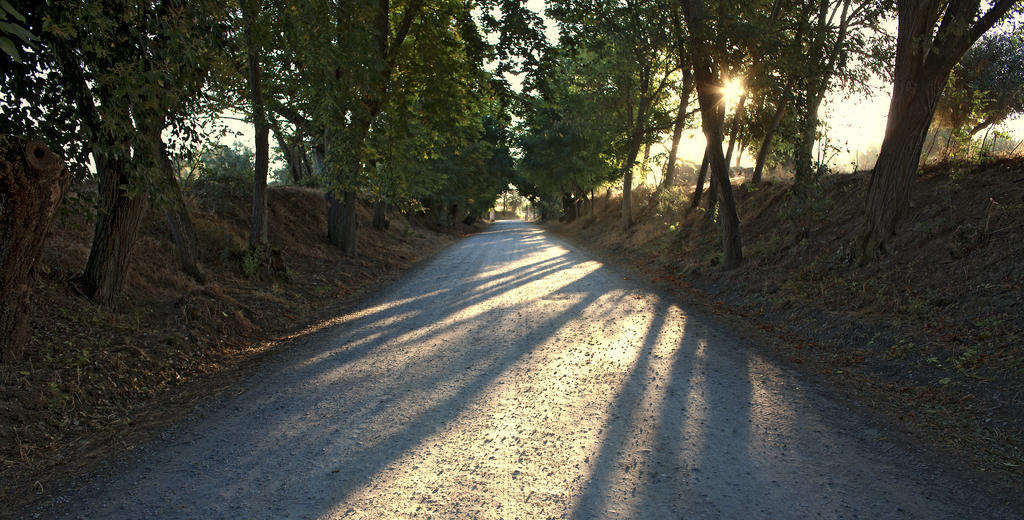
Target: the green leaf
(8, 46)
(17, 30)
(7, 7)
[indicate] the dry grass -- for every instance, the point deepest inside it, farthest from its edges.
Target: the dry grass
(95, 382)
(931, 337)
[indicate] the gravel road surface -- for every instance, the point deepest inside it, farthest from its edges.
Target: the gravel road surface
(514, 377)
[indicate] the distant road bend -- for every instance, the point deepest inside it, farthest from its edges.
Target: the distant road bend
(514, 377)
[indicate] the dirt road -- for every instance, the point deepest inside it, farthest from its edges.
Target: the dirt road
(513, 377)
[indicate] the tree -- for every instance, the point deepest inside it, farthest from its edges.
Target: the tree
(634, 49)
(33, 181)
(94, 73)
(707, 73)
(251, 23)
(985, 87)
(932, 36)
(74, 92)
(572, 138)
(679, 36)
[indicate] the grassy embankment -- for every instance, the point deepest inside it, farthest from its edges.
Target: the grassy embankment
(931, 337)
(96, 382)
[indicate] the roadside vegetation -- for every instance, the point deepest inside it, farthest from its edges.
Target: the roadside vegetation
(929, 339)
(95, 382)
(138, 250)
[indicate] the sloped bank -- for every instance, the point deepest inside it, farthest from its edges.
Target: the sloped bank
(94, 383)
(930, 338)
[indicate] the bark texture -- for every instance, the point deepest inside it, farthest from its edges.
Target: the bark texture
(179, 223)
(931, 37)
(342, 224)
(910, 115)
(117, 227)
(33, 181)
(380, 215)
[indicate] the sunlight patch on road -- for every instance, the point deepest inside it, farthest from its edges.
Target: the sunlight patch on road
(629, 418)
(521, 448)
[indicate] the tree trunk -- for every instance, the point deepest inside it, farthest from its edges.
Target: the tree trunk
(643, 164)
(568, 207)
(702, 175)
(709, 95)
(766, 143)
(179, 223)
(319, 158)
(293, 155)
(925, 55)
(910, 115)
(183, 233)
(712, 190)
(121, 207)
(805, 149)
(258, 233)
(728, 220)
(380, 217)
(33, 181)
(342, 224)
(677, 132)
(737, 120)
(627, 182)
(117, 227)
(307, 164)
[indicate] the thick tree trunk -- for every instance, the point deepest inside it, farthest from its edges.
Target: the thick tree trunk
(728, 220)
(453, 214)
(342, 224)
(121, 205)
(349, 232)
(910, 114)
(702, 175)
(568, 207)
(33, 181)
(766, 143)
(117, 227)
(925, 55)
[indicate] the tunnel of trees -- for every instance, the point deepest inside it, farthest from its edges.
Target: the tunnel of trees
(440, 106)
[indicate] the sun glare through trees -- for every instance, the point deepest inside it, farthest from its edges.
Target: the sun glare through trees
(186, 184)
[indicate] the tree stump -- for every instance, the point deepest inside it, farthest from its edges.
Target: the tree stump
(33, 181)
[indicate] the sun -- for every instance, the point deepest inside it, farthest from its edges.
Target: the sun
(732, 90)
